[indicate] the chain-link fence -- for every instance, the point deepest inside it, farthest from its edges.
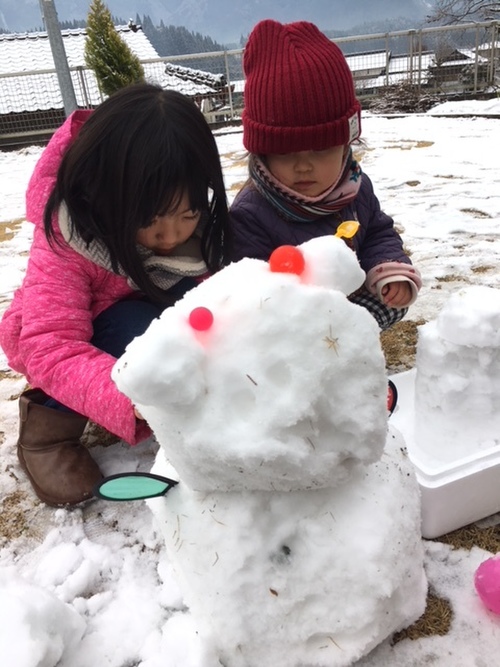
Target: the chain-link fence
(436, 62)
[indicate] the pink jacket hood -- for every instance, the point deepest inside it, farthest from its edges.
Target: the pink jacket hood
(46, 331)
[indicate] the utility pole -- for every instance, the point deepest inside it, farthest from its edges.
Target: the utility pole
(49, 16)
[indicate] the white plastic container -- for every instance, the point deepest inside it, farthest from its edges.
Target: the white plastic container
(455, 494)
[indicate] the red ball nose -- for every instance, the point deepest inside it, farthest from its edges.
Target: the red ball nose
(287, 259)
(201, 319)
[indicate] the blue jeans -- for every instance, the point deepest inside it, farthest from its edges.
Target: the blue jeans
(119, 324)
(115, 328)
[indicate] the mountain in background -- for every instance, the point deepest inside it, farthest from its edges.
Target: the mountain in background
(225, 21)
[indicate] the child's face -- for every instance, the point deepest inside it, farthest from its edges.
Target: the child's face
(309, 173)
(171, 229)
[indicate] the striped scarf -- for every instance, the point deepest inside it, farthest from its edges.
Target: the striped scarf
(164, 272)
(291, 206)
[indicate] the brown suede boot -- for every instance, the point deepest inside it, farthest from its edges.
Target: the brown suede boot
(59, 467)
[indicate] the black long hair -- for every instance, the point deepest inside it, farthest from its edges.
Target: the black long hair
(132, 160)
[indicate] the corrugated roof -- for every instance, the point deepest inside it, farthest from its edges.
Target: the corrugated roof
(489, 45)
(155, 73)
(361, 62)
(38, 89)
(31, 51)
(400, 64)
(390, 80)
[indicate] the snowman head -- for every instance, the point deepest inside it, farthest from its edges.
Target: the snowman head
(265, 376)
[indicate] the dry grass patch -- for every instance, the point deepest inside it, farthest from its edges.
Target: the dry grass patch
(13, 516)
(399, 344)
(487, 538)
(436, 620)
(438, 614)
(410, 144)
(236, 187)
(9, 229)
(482, 269)
(237, 161)
(451, 278)
(475, 212)
(97, 435)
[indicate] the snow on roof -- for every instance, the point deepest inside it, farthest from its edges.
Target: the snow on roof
(196, 75)
(391, 80)
(155, 73)
(461, 57)
(26, 52)
(38, 89)
(489, 45)
(471, 55)
(407, 63)
(366, 61)
(238, 85)
(461, 62)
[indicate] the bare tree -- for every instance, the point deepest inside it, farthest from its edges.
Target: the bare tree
(449, 12)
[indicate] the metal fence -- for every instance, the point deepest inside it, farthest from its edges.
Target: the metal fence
(442, 62)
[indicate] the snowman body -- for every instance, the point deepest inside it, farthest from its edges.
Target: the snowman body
(295, 530)
(457, 386)
(272, 579)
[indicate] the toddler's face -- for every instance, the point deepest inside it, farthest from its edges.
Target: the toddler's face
(309, 173)
(171, 229)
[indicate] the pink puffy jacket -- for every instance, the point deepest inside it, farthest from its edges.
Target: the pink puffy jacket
(46, 330)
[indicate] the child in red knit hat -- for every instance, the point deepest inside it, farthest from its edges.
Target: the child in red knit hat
(301, 116)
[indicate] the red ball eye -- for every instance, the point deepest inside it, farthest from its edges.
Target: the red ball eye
(287, 259)
(201, 319)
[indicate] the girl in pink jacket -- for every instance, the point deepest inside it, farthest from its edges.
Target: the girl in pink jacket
(130, 212)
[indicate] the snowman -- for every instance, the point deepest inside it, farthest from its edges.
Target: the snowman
(294, 530)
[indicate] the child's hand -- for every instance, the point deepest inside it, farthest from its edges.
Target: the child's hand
(138, 414)
(397, 294)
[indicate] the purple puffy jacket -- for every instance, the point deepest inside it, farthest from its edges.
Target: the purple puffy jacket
(258, 229)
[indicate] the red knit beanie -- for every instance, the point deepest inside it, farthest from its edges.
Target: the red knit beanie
(299, 91)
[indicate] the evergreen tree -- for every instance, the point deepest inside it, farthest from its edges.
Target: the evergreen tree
(176, 40)
(114, 64)
(72, 25)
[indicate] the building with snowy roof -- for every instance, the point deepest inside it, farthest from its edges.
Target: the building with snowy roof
(460, 69)
(31, 102)
(457, 71)
(490, 50)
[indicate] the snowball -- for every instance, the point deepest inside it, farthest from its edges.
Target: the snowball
(36, 629)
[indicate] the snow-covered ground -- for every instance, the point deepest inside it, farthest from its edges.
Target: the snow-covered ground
(89, 586)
